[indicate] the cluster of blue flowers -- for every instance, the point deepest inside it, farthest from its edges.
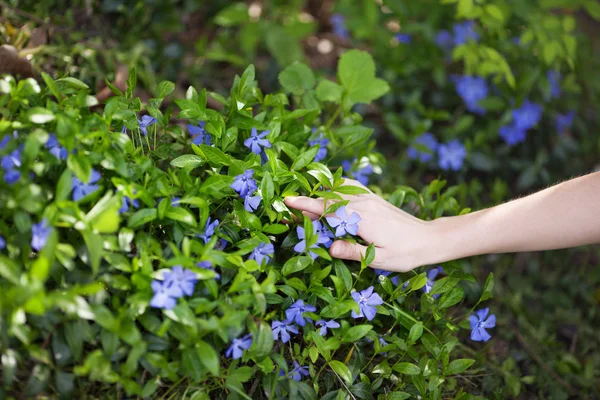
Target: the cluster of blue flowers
(199, 134)
(362, 173)
(461, 33)
(324, 237)
(451, 155)
(177, 283)
(322, 143)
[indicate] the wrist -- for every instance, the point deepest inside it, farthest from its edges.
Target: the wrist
(450, 239)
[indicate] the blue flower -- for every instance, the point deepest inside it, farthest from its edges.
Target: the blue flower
(55, 148)
(124, 129)
(263, 252)
(175, 201)
(199, 134)
(208, 265)
(425, 140)
(12, 176)
(343, 223)
(298, 371)
(10, 165)
(464, 31)
(325, 236)
(2, 243)
(238, 345)
(527, 116)
(322, 143)
(512, 135)
(209, 230)
(183, 281)
(257, 142)
(472, 89)
(145, 122)
(294, 313)
(322, 238)
(564, 121)
(331, 324)
(338, 23)
(251, 203)
(451, 155)
(39, 234)
(243, 184)
(404, 38)
(127, 202)
(383, 272)
(431, 275)
(80, 189)
(479, 323)
(366, 300)
(361, 174)
(554, 78)
(163, 295)
(444, 40)
(283, 329)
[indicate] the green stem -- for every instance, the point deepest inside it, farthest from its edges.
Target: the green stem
(334, 117)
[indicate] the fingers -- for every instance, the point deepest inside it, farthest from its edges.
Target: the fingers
(302, 203)
(354, 251)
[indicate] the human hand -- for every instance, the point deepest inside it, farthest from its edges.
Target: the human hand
(402, 242)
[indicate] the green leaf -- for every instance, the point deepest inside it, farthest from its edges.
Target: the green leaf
(329, 91)
(64, 185)
(304, 159)
(142, 217)
(54, 89)
(284, 47)
(73, 82)
(39, 115)
(187, 161)
(355, 333)
(93, 243)
(164, 89)
(214, 156)
(451, 298)
(296, 264)
(235, 14)
(297, 78)
(262, 343)
(351, 189)
(267, 188)
(209, 357)
(356, 72)
(406, 368)
(415, 332)
(341, 370)
(488, 288)
(458, 366)
(182, 215)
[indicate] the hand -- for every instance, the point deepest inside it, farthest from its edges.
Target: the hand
(402, 242)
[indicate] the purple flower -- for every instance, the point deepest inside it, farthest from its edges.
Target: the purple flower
(325, 237)
(512, 135)
(127, 202)
(431, 275)
(426, 140)
(331, 324)
(124, 129)
(343, 223)
(39, 234)
(527, 116)
(251, 203)
(175, 201)
(464, 31)
(338, 24)
(257, 142)
(479, 323)
(263, 252)
(2, 243)
(383, 272)
(238, 345)
(183, 281)
(564, 121)
(382, 341)
(163, 297)
(366, 300)
(80, 189)
(451, 155)
(361, 174)
(12, 176)
(244, 184)
(294, 313)
(55, 148)
(9, 164)
(472, 89)
(444, 40)
(322, 238)
(298, 371)
(199, 134)
(283, 329)
(209, 230)
(208, 265)
(322, 143)
(554, 78)
(145, 122)
(404, 38)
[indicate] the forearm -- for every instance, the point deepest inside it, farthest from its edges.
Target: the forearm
(565, 215)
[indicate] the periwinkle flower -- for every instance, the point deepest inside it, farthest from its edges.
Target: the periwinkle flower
(257, 142)
(2, 243)
(262, 252)
(163, 295)
(338, 24)
(322, 238)
(10, 164)
(183, 281)
(431, 275)
(383, 272)
(451, 155)
(343, 223)
(527, 116)
(554, 78)
(322, 143)
(444, 40)
(464, 31)
(80, 189)
(479, 323)
(128, 202)
(563, 122)
(331, 324)
(238, 345)
(39, 234)
(472, 89)
(283, 330)
(425, 140)
(366, 300)
(251, 203)
(145, 122)
(295, 311)
(208, 265)
(209, 230)
(199, 134)
(298, 371)
(403, 38)
(512, 135)
(244, 184)
(175, 201)
(361, 174)
(55, 148)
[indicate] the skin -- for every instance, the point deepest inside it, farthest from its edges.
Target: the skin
(565, 215)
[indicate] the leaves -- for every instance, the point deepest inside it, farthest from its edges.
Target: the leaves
(406, 368)
(356, 72)
(297, 78)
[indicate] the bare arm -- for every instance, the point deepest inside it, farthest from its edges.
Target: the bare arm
(565, 215)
